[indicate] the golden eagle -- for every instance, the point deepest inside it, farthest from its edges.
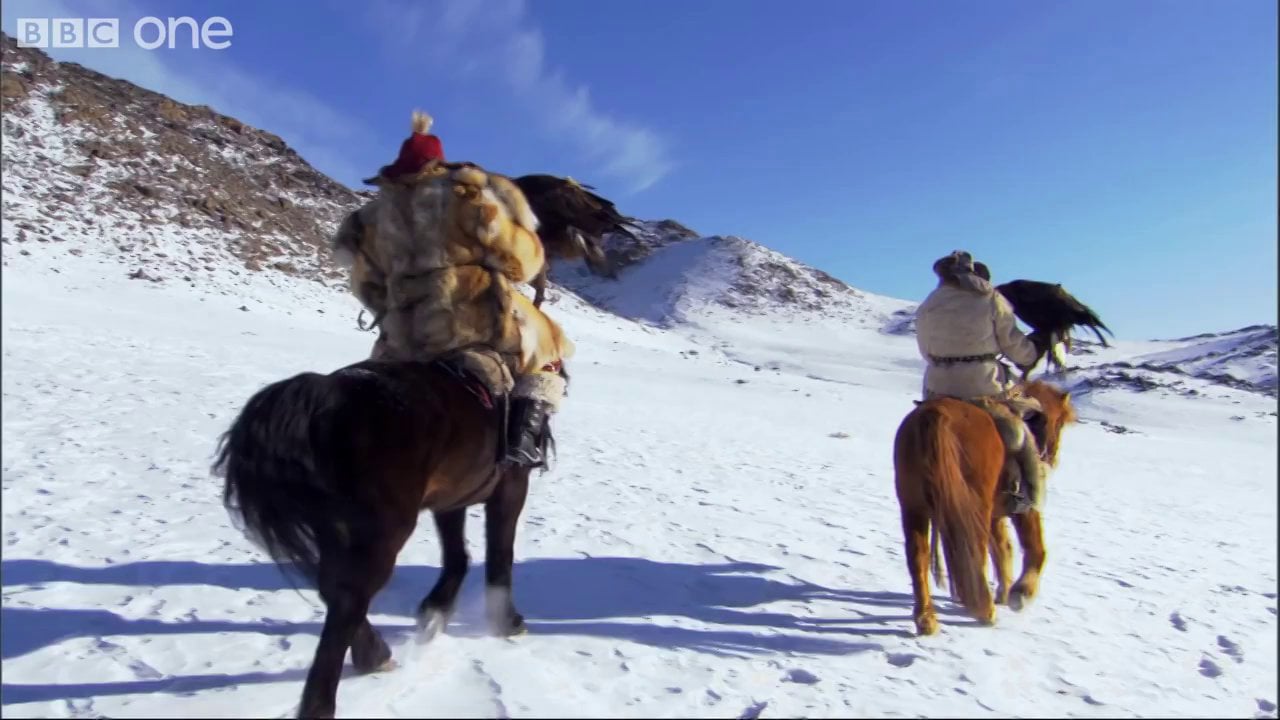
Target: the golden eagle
(572, 221)
(1052, 313)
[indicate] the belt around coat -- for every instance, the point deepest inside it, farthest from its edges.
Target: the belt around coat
(944, 361)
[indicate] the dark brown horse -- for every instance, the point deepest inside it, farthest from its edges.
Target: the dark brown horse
(948, 461)
(329, 474)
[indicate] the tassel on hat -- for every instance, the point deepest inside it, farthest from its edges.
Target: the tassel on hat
(421, 122)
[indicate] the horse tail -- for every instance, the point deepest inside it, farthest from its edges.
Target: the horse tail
(958, 515)
(277, 482)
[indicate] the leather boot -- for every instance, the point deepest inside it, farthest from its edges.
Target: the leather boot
(527, 432)
(1017, 501)
(1022, 471)
(1033, 474)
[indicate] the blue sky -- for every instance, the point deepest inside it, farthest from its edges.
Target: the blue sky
(1124, 148)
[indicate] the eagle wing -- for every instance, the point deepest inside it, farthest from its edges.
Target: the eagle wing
(1048, 308)
(560, 202)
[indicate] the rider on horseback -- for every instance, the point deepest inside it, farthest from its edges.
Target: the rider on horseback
(961, 328)
(434, 257)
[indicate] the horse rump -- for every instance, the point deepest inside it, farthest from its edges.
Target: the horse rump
(277, 470)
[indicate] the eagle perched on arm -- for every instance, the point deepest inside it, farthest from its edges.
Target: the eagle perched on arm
(572, 221)
(1052, 313)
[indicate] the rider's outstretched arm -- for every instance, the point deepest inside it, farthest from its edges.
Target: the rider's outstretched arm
(1012, 342)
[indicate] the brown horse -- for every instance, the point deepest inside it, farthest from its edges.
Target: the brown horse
(948, 461)
(330, 472)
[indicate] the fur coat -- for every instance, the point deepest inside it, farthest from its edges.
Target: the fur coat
(436, 256)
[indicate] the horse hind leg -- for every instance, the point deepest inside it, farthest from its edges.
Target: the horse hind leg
(502, 514)
(1001, 558)
(915, 528)
(369, 651)
(348, 580)
(438, 606)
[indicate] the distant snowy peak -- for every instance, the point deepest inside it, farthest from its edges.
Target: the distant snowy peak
(1246, 356)
(1243, 359)
(669, 274)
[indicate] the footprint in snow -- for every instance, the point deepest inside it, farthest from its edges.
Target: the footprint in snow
(1210, 669)
(1231, 648)
(1177, 621)
(901, 660)
(803, 677)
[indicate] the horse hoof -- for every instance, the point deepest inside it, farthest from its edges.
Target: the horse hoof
(381, 662)
(511, 627)
(1018, 600)
(927, 625)
(430, 625)
(319, 713)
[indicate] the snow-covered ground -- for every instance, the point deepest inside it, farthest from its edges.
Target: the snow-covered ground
(715, 540)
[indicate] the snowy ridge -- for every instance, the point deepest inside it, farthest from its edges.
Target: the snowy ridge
(687, 278)
(1243, 359)
(1247, 355)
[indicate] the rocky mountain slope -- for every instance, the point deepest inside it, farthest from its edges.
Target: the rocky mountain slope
(96, 165)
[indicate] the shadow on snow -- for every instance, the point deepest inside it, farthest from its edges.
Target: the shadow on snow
(619, 598)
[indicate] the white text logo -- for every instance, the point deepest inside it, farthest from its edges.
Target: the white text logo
(149, 33)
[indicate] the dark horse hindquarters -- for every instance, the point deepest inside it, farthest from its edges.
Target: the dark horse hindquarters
(329, 472)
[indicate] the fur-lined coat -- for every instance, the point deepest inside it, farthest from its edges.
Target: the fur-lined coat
(969, 318)
(435, 256)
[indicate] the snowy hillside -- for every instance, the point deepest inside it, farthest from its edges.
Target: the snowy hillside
(719, 536)
(100, 170)
(697, 277)
(714, 541)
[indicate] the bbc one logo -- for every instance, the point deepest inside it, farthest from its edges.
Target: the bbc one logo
(149, 33)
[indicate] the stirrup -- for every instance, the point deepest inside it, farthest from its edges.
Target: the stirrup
(1018, 503)
(521, 458)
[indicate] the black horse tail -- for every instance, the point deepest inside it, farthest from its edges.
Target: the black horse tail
(279, 480)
